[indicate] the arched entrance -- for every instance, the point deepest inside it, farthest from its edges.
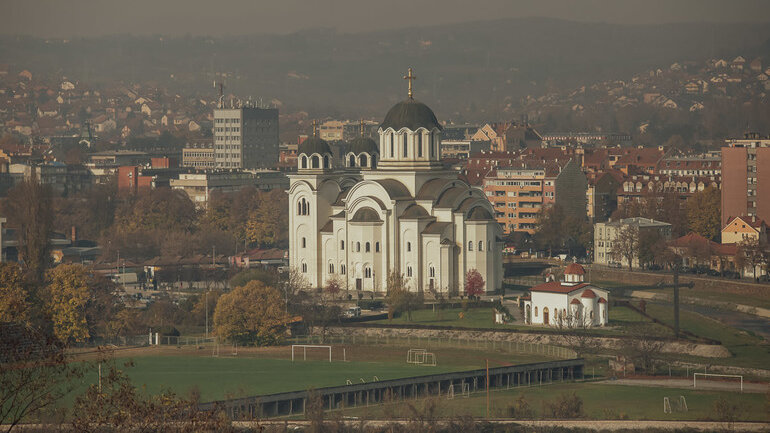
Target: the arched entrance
(545, 316)
(528, 315)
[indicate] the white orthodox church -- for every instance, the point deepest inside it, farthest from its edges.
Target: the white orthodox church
(570, 303)
(392, 206)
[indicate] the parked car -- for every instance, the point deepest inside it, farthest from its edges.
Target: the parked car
(352, 312)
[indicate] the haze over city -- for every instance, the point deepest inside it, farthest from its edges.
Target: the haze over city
(337, 215)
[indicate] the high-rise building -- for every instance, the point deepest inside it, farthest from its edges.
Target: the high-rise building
(746, 177)
(246, 137)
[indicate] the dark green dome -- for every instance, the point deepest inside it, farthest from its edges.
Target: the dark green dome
(313, 145)
(410, 114)
(363, 144)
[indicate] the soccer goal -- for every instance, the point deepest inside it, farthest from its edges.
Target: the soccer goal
(421, 357)
(460, 389)
(730, 376)
(305, 347)
(680, 405)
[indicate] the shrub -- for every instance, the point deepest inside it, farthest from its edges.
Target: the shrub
(520, 409)
(566, 406)
(371, 304)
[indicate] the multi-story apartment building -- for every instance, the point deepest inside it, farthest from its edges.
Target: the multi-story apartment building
(518, 195)
(606, 234)
(746, 177)
(199, 154)
(246, 137)
(199, 186)
(691, 166)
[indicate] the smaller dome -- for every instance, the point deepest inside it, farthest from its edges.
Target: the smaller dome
(575, 302)
(414, 211)
(602, 301)
(574, 269)
(363, 144)
(480, 214)
(313, 145)
(366, 215)
(588, 293)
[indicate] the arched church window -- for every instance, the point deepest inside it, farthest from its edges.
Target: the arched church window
(419, 144)
(368, 247)
(592, 315)
(358, 247)
(376, 247)
(408, 271)
(367, 272)
(299, 207)
(342, 245)
(327, 163)
(470, 245)
(392, 146)
(315, 162)
(304, 242)
(408, 246)
(406, 146)
(304, 268)
(430, 143)
(352, 162)
(304, 161)
(304, 207)
(432, 272)
(342, 269)
(481, 245)
(374, 161)
(535, 311)
(331, 268)
(363, 161)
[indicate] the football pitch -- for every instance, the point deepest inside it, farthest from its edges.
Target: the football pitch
(266, 371)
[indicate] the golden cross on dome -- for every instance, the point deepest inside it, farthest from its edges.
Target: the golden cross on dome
(315, 127)
(362, 127)
(411, 78)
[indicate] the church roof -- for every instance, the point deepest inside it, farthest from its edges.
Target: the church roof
(575, 301)
(327, 228)
(414, 211)
(448, 197)
(340, 214)
(480, 214)
(431, 189)
(340, 197)
(575, 269)
(435, 228)
(395, 189)
(557, 287)
(602, 301)
(363, 144)
(314, 145)
(588, 294)
(366, 215)
(410, 114)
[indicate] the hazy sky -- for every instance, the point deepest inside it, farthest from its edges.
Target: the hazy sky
(67, 18)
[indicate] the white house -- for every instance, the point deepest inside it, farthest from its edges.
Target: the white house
(569, 303)
(392, 206)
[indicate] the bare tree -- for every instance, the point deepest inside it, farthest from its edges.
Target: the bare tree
(626, 244)
(643, 346)
(30, 208)
(575, 333)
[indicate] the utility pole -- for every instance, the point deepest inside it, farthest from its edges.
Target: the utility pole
(487, 389)
(676, 286)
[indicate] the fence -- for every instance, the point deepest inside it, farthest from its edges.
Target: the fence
(434, 342)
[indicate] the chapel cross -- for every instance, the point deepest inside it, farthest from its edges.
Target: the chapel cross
(315, 127)
(411, 78)
(362, 127)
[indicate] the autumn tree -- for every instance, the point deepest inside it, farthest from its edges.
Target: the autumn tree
(266, 225)
(400, 298)
(474, 283)
(14, 296)
(752, 253)
(626, 244)
(251, 315)
(67, 295)
(29, 207)
(333, 286)
(703, 213)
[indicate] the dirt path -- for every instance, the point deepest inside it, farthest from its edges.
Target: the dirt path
(703, 384)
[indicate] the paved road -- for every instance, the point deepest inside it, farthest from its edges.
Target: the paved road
(754, 388)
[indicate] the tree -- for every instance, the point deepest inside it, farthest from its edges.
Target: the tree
(251, 314)
(266, 225)
(751, 253)
(14, 296)
(703, 213)
(332, 287)
(642, 345)
(400, 299)
(626, 244)
(161, 209)
(650, 243)
(29, 208)
(67, 294)
(474, 283)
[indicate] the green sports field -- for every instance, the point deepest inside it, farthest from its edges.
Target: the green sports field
(266, 371)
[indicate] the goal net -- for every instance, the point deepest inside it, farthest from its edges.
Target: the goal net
(305, 347)
(421, 357)
(459, 389)
(717, 381)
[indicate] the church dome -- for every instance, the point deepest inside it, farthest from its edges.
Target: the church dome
(480, 214)
(313, 145)
(363, 144)
(366, 215)
(410, 114)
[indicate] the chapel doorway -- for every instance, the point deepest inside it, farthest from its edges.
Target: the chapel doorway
(359, 283)
(545, 316)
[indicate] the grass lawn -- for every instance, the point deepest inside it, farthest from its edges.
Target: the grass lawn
(256, 371)
(600, 401)
(748, 350)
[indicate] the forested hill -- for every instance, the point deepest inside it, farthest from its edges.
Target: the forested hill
(464, 70)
